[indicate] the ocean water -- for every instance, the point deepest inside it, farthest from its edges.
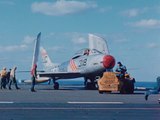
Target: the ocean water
(146, 84)
(78, 82)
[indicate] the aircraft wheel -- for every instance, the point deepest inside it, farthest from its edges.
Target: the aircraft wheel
(56, 85)
(90, 86)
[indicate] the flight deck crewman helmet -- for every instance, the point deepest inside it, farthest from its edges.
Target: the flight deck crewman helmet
(119, 63)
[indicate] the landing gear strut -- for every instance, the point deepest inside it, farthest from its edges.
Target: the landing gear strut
(56, 85)
(90, 84)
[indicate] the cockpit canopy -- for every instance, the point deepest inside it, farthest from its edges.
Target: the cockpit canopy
(86, 51)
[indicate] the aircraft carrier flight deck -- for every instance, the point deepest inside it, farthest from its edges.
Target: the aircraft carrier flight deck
(75, 103)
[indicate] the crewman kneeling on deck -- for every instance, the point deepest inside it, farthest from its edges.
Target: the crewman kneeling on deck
(121, 69)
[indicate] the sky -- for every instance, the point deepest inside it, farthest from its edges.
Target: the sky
(131, 29)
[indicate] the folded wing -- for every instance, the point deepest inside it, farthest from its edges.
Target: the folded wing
(98, 43)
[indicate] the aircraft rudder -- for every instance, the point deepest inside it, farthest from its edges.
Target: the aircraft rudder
(47, 63)
(36, 50)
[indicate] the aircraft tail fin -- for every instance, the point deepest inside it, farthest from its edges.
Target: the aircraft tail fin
(46, 59)
(99, 43)
(36, 51)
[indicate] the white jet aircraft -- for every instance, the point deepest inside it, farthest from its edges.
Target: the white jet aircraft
(87, 63)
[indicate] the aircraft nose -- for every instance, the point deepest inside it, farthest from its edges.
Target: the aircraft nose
(108, 61)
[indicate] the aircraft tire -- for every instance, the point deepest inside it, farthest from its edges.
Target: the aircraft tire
(56, 86)
(90, 86)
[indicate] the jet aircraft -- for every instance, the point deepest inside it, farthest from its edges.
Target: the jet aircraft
(87, 63)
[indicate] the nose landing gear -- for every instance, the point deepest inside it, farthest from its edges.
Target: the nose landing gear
(90, 84)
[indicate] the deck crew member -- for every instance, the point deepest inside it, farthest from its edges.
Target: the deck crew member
(34, 76)
(121, 69)
(3, 77)
(13, 78)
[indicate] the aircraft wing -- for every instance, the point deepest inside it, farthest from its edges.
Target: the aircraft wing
(61, 75)
(38, 80)
(98, 43)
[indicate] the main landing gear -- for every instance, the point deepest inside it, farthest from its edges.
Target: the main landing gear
(90, 83)
(56, 85)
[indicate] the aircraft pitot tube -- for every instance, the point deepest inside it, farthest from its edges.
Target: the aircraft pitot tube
(108, 61)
